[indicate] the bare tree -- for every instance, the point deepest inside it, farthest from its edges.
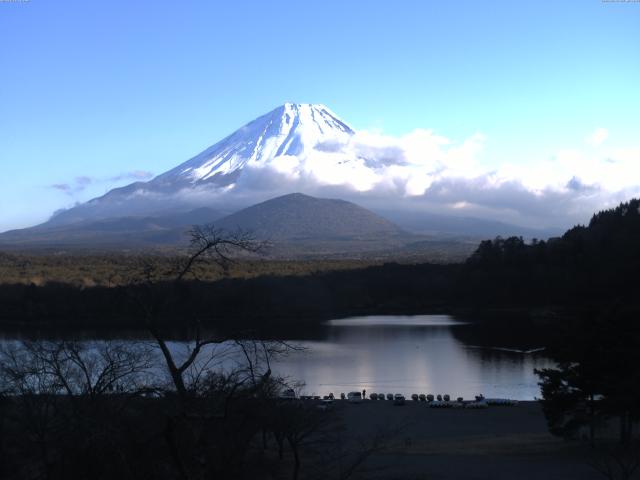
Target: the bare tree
(207, 243)
(616, 461)
(34, 399)
(91, 368)
(55, 397)
(219, 435)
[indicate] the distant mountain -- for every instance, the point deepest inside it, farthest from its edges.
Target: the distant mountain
(290, 218)
(305, 218)
(432, 224)
(295, 226)
(121, 232)
(300, 226)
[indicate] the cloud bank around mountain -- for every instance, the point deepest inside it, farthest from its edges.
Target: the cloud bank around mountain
(423, 170)
(82, 182)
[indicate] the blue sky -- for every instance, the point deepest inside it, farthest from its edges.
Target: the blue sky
(96, 94)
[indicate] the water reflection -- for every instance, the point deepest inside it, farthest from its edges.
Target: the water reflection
(408, 355)
(396, 354)
(396, 321)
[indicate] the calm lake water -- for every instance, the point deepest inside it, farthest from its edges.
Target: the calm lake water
(400, 354)
(411, 354)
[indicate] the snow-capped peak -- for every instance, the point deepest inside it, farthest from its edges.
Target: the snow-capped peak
(287, 130)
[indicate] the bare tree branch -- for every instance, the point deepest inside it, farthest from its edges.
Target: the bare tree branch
(208, 239)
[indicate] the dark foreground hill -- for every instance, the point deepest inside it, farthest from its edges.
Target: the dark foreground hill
(304, 218)
(296, 226)
(299, 226)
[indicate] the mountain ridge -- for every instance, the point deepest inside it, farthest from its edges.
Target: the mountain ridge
(297, 216)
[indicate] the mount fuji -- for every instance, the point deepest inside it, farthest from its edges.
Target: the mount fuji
(288, 131)
(293, 140)
(302, 148)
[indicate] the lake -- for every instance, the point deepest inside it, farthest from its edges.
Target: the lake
(411, 354)
(405, 354)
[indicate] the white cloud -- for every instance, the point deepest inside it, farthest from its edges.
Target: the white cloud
(598, 137)
(426, 171)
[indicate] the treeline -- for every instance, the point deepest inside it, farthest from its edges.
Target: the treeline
(258, 302)
(111, 269)
(591, 264)
(595, 379)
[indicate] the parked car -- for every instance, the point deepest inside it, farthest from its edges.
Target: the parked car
(354, 397)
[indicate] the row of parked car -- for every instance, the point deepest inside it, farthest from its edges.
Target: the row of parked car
(436, 401)
(356, 397)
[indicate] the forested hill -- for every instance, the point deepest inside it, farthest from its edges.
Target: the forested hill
(590, 268)
(594, 262)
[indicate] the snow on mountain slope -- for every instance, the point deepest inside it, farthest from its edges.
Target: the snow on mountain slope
(288, 131)
(297, 141)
